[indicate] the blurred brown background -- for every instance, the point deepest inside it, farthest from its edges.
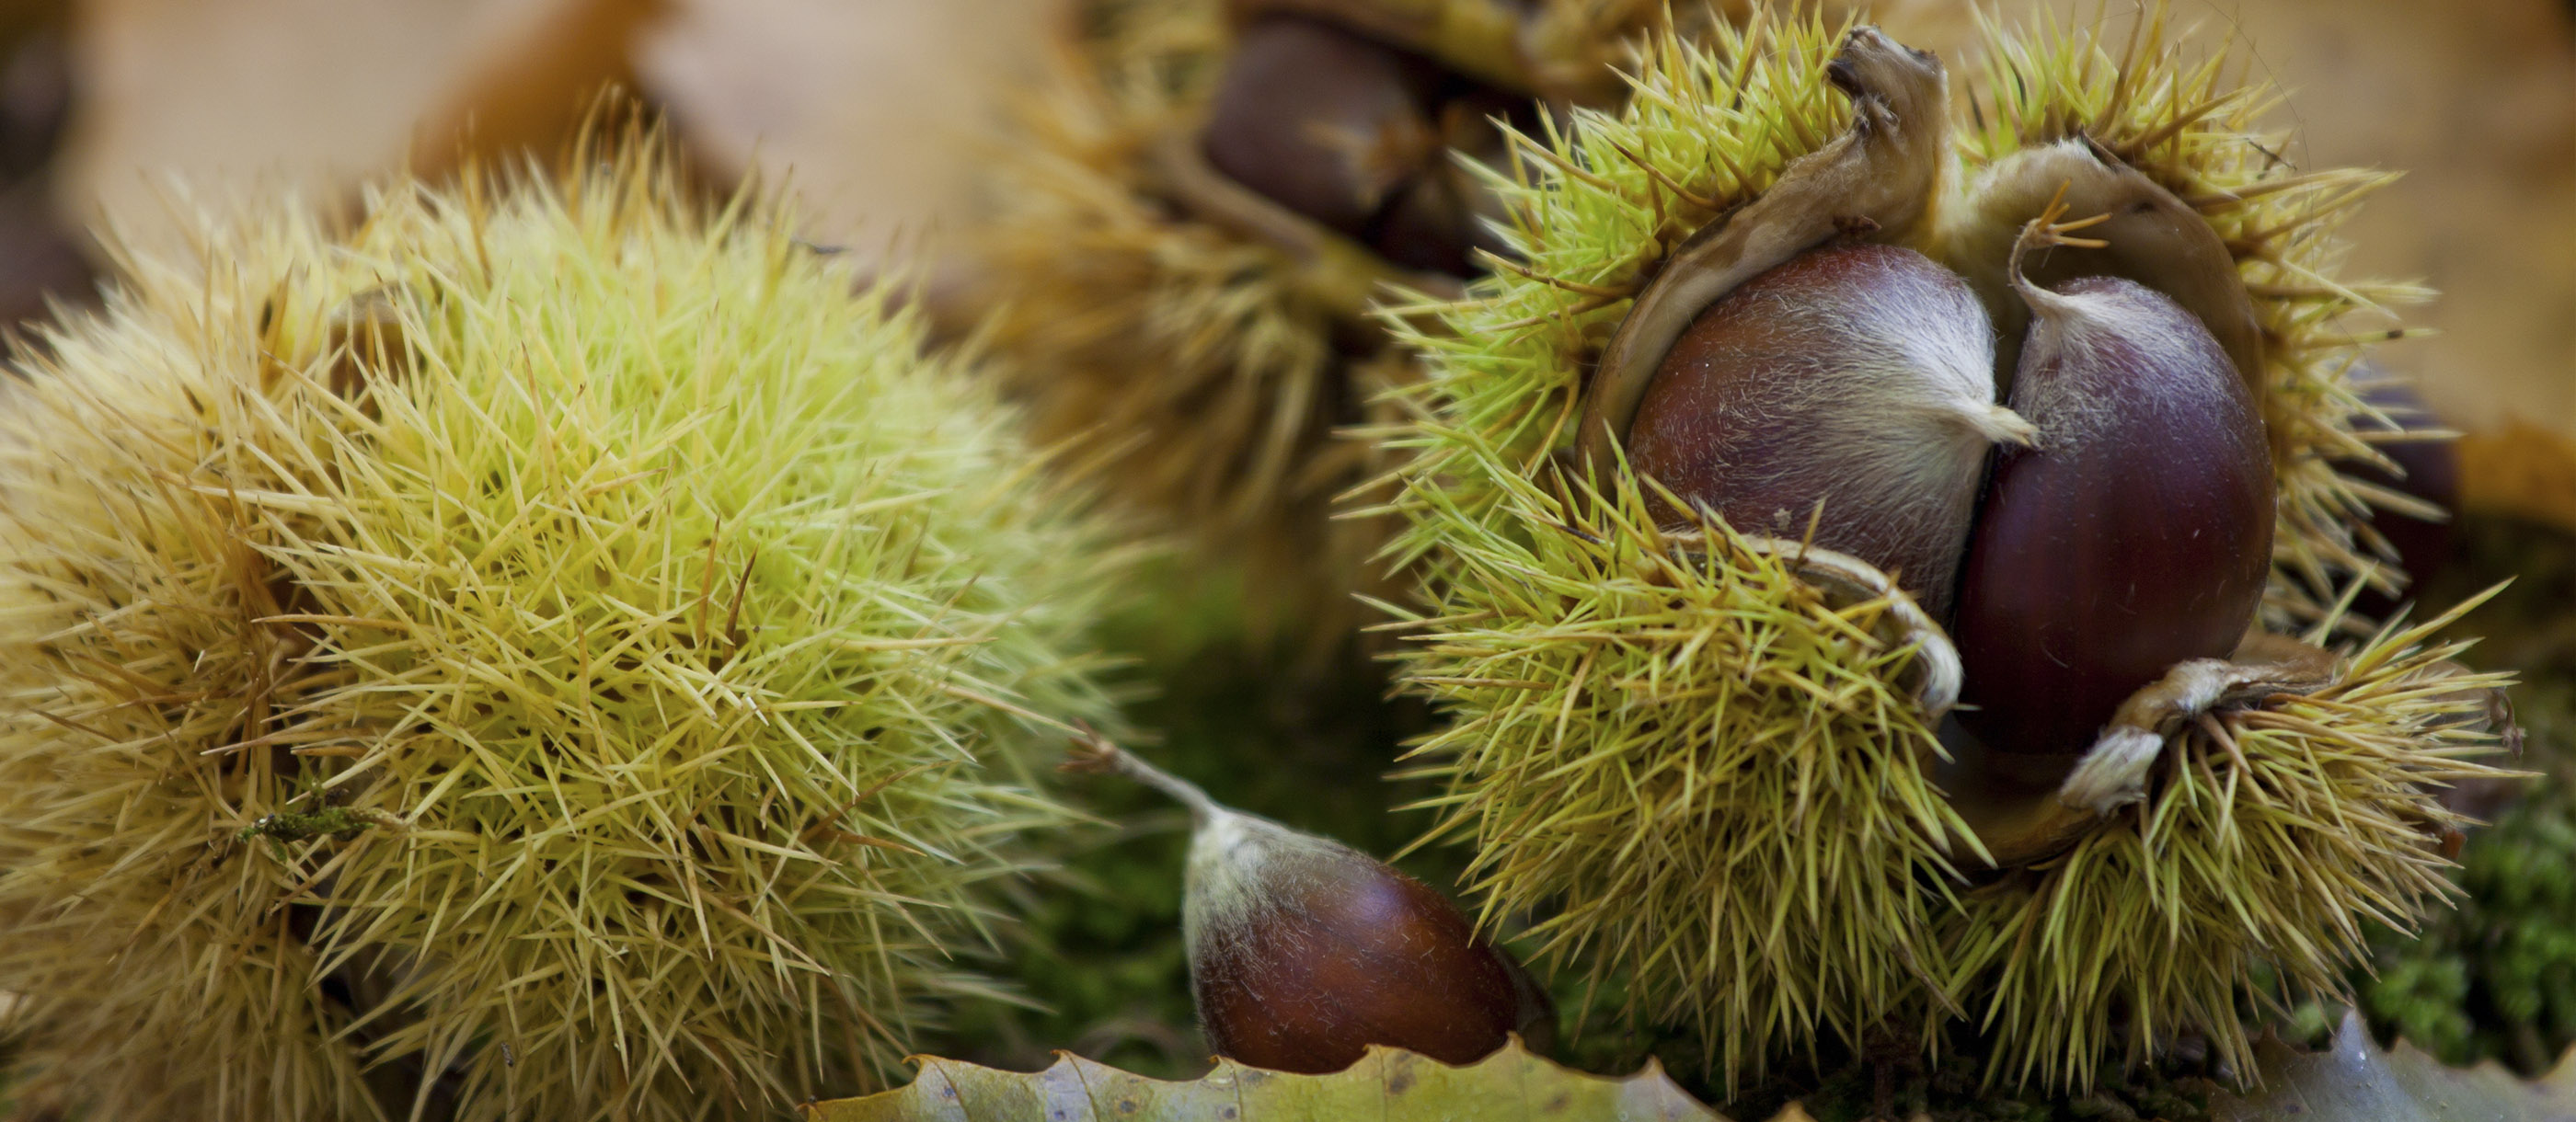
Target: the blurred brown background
(882, 115)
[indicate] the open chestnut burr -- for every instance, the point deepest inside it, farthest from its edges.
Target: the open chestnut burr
(1926, 540)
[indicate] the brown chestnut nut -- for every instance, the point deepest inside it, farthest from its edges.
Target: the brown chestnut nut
(1321, 121)
(1857, 376)
(2135, 535)
(1304, 951)
(1430, 225)
(2428, 471)
(1437, 221)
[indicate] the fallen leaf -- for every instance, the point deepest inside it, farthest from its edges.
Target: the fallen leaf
(2522, 470)
(1388, 1085)
(2354, 1080)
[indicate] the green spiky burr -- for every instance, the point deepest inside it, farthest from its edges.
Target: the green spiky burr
(1715, 763)
(1204, 344)
(545, 651)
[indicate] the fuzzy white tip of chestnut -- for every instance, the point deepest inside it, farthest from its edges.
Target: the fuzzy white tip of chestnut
(1304, 951)
(1858, 379)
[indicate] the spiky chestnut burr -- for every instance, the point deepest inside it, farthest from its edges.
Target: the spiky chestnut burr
(1853, 386)
(1304, 951)
(637, 640)
(1598, 663)
(1746, 728)
(1213, 341)
(2213, 886)
(2136, 532)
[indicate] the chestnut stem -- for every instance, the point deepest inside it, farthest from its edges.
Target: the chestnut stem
(2045, 232)
(2152, 238)
(1096, 753)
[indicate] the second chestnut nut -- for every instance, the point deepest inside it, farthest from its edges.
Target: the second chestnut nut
(2124, 524)
(1358, 136)
(2136, 535)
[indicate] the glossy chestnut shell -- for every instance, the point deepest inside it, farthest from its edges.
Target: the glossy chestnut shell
(2138, 533)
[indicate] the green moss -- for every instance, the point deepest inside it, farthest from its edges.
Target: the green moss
(2495, 978)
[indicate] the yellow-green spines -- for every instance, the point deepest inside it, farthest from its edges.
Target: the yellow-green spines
(1594, 208)
(1598, 672)
(1708, 774)
(2278, 834)
(1698, 768)
(671, 623)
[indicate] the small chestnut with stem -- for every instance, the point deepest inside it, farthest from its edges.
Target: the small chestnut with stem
(1304, 951)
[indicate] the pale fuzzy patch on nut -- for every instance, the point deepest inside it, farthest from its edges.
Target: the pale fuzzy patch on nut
(1882, 363)
(1233, 855)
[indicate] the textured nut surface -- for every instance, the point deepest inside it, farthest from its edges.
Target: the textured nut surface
(1364, 955)
(1859, 377)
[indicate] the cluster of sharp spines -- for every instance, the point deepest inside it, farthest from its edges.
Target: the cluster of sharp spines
(673, 626)
(1511, 551)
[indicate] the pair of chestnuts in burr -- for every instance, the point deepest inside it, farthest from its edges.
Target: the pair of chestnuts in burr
(2082, 516)
(2122, 525)
(2084, 502)
(1356, 136)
